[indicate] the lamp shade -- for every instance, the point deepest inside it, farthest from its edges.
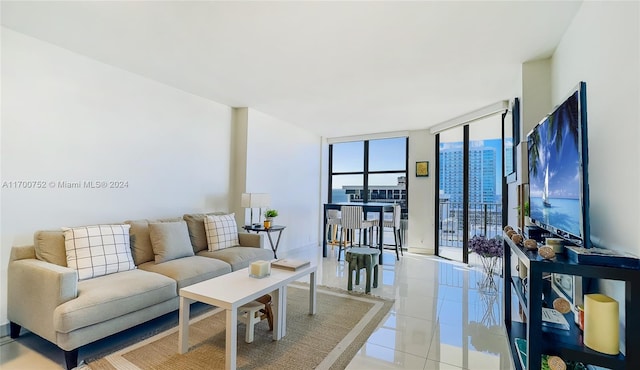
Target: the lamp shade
(255, 200)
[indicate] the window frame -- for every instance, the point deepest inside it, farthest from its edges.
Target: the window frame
(365, 173)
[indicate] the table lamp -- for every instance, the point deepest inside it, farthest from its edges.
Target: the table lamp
(255, 200)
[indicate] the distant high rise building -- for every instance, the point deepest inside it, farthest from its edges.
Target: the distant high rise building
(482, 173)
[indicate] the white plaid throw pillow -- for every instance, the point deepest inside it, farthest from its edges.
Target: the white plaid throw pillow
(222, 231)
(98, 250)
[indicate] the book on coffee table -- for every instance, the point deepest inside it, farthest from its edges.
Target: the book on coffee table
(289, 264)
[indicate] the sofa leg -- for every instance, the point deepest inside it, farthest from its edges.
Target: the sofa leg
(71, 358)
(14, 330)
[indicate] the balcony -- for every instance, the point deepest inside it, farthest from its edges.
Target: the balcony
(484, 219)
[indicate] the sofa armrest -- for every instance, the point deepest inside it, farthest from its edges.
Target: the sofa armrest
(251, 240)
(35, 289)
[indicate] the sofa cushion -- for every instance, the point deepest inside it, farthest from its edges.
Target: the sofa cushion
(98, 250)
(222, 231)
(49, 246)
(239, 257)
(197, 234)
(141, 241)
(170, 240)
(111, 296)
(189, 270)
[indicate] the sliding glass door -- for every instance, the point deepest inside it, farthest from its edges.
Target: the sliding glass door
(451, 164)
(470, 191)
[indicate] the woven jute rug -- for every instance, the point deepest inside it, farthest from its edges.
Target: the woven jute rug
(327, 340)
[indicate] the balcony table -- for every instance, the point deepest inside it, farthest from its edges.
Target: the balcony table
(367, 207)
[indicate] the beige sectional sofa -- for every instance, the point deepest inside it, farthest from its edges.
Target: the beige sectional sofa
(47, 298)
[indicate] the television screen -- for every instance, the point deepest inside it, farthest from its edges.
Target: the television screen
(558, 193)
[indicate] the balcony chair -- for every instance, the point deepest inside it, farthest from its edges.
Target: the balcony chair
(352, 219)
(333, 222)
(395, 224)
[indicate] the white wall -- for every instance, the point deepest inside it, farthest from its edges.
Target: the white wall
(420, 233)
(68, 117)
(602, 48)
(284, 161)
(536, 94)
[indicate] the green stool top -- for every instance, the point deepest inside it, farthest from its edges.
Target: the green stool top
(370, 251)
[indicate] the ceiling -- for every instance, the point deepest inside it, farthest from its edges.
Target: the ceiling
(335, 68)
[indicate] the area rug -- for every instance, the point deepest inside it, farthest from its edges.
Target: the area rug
(327, 340)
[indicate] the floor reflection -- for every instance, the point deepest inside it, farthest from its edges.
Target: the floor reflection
(443, 317)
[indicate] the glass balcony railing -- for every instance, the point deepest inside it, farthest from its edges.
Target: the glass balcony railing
(484, 219)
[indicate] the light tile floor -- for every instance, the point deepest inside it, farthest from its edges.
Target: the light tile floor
(440, 320)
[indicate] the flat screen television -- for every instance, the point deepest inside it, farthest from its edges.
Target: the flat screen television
(558, 178)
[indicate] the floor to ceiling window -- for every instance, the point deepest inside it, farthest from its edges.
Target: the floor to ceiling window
(370, 171)
(470, 185)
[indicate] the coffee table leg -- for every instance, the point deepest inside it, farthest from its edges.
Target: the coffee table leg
(312, 293)
(283, 311)
(276, 304)
(230, 342)
(183, 326)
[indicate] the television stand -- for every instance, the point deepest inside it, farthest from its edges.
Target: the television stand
(527, 334)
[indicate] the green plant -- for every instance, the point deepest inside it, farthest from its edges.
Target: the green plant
(270, 213)
(526, 209)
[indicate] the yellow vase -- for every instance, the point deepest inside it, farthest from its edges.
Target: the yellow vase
(267, 224)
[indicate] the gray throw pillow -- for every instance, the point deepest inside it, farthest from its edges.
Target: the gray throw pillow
(170, 240)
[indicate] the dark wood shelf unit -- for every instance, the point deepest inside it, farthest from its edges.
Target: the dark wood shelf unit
(567, 344)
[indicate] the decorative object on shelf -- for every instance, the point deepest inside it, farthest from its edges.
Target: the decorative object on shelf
(255, 200)
(547, 362)
(561, 305)
(554, 319)
(516, 238)
(491, 252)
(556, 363)
(601, 327)
(260, 269)
(507, 228)
(580, 309)
(422, 169)
(546, 252)
(555, 243)
(269, 215)
(531, 244)
(511, 232)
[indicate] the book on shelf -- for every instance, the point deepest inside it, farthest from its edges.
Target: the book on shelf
(521, 346)
(554, 319)
(289, 264)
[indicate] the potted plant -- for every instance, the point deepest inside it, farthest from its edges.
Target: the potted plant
(269, 215)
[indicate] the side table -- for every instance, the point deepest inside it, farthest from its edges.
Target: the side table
(259, 228)
(363, 258)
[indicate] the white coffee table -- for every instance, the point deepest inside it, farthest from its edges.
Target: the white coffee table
(233, 290)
